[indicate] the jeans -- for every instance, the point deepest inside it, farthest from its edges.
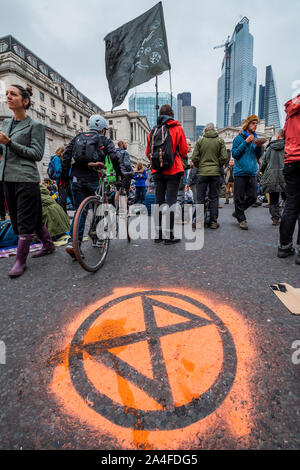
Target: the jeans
(213, 183)
(292, 206)
(140, 195)
(245, 195)
(274, 205)
(80, 191)
(166, 189)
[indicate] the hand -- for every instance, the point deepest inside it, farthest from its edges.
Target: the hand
(250, 138)
(4, 139)
(97, 165)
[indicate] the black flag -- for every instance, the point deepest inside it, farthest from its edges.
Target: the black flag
(135, 53)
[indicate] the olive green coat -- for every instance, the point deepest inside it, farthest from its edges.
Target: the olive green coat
(272, 168)
(54, 217)
(210, 154)
(18, 161)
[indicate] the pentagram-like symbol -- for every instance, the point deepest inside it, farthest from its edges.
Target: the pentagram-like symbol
(170, 416)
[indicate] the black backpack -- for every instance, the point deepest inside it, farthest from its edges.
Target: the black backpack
(86, 147)
(161, 155)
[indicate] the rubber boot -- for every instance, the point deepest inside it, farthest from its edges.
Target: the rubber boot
(48, 246)
(22, 253)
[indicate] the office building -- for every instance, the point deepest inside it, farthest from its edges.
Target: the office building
(237, 84)
(268, 102)
(145, 104)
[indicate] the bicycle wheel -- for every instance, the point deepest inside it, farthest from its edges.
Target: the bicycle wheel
(91, 234)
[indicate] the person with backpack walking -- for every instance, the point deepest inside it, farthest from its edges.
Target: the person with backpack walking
(22, 145)
(209, 156)
(291, 174)
(166, 147)
(86, 148)
(246, 151)
(272, 180)
(140, 178)
(125, 165)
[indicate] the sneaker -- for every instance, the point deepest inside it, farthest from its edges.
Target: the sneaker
(172, 241)
(214, 225)
(285, 252)
(70, 250)
(244, 225)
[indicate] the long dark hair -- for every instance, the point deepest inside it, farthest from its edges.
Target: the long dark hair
(26, 94)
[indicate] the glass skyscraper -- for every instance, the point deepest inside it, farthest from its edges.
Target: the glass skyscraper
(237, 84)
(145, 103)
(268, 103)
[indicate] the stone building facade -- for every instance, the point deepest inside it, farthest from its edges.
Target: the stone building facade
(133, 129)
(56, 103)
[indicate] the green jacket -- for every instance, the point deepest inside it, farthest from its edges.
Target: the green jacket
(210, 154)
(54, 217)
(272, 168)
(18, 161)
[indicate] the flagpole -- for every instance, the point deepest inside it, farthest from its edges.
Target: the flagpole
(157, 106)
(171, 91)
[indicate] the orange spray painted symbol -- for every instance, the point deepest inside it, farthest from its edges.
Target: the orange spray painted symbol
(155, 368)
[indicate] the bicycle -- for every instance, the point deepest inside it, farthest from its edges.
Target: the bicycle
(96, 222)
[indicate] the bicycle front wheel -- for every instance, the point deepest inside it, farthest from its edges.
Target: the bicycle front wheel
(91, 234)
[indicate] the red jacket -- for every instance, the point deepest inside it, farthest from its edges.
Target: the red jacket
(178, 141)
(292, 131)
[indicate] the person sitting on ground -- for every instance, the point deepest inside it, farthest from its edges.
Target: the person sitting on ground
(54, 217)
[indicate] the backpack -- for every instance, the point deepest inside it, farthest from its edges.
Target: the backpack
(161, 155)
(8, 237)
(86, 147)
(54, 168)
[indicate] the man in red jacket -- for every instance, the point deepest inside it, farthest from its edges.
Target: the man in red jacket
(292, 177)
(167, 181)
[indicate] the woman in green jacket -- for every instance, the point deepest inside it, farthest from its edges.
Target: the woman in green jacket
(22, 143)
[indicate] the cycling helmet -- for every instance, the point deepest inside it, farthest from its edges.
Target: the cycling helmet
(97, 123)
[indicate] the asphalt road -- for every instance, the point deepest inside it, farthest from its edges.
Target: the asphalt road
(254, 393)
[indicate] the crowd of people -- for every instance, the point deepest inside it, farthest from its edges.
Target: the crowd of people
(41, 210)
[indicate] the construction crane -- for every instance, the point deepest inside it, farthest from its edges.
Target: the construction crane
(227, 47)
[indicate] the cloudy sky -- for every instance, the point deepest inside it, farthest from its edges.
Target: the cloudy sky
(69, 36)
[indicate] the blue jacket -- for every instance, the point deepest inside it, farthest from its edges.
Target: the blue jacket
(140, 182)
(246, 156)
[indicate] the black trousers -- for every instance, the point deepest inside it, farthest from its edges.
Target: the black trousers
(213, 183)
(24, 206)
(245, 194)
(2, 202)
(166, 190)
(291, 210)
(274, 205)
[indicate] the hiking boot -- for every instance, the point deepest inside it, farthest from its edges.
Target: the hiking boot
(244, 225)
(234, 215)
(22, 253)
(276, 222)
(285, 252)
(70, 250)
(48, 246)
(214, 225)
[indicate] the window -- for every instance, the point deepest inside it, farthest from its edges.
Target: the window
(80, 118)
(52, 102)
(53, 116)
(67, 86)
(80, 97)
(42, 96)
(20, 51)
(55, 77)
(74, 125)
(64, 109)
(73, 91)
(43, 69)
(110, 122)
(3, 46)
(43, 110)
(32, 60)
(87, 122)
(74, 115)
